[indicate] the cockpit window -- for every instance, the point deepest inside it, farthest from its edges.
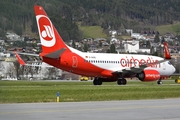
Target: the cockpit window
(169, 63)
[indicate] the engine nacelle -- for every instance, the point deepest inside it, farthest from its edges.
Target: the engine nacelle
(149, 75)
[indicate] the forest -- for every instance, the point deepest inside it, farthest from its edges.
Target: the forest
(18, 15)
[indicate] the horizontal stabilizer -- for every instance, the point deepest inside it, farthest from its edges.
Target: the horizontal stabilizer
(19, 59)
(29, 54)
(55, 54)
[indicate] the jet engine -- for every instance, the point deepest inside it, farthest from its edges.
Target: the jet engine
(149, 75)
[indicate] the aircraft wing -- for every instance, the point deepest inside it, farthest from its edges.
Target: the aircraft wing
(137, 69)
(142, 66)
(131, 70)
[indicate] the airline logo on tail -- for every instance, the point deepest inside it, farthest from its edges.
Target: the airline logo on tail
(51, 41)
(46, 31)
(166, 51)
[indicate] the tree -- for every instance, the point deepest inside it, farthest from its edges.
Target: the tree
(162, 40)
(100, 44)
(152, 50)
(156, 38)
(2, 69)
(73, 44)
(155, 53)
(112, 48)
(52, 72)
(108, 51)
(85, 47)
(10, 70)
(17, 68)
(148, 45)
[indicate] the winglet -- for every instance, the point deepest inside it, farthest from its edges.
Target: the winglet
(166, 51)
(19, 59)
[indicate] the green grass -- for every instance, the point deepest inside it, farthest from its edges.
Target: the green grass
(174, 28)
(38, 91)
(92, 32)
(97, 31)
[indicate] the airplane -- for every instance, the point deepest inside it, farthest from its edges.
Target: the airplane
(104, 67)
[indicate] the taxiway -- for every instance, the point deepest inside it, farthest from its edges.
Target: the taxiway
(161, 109)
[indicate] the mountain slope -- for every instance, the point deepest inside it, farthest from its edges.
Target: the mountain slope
(18, 15)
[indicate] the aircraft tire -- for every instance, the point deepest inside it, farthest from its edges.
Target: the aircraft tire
(121, 81)
(97, 81)
(159, 82)
(176, 80)
(124, 81)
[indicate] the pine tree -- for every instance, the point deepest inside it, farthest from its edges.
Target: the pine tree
(85, 47)
(112, 48)
(73, 44)
(156, 38)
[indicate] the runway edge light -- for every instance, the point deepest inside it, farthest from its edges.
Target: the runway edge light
(57, 95)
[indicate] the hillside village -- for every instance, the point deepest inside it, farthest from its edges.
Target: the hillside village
(146, 42)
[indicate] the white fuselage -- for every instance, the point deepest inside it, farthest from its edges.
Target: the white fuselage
(118, 62)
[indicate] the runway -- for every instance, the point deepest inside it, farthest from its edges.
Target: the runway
(162, 109)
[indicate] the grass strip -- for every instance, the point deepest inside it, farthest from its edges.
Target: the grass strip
(45, 91)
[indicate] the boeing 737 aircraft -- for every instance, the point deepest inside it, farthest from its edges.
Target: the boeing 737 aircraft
(104, 67)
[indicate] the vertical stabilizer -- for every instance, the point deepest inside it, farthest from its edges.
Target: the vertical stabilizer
(51, 41)
(166, 51)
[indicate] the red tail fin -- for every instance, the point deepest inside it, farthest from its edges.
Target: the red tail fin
(50, 39)
(166, 51)
(19, 59)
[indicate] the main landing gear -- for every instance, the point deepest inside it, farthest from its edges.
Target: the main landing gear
(159, 82)
(97, 81)
(121, 81)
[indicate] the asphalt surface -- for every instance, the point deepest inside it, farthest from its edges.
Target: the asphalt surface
(163, 109)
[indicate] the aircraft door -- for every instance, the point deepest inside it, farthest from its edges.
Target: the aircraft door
(74, 61)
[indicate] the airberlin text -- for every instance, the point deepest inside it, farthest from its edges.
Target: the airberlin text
(133, 62)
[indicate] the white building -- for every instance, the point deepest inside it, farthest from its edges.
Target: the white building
(135, 35)
(2, 54)
(12, 36)
(143, 51)
(113, 33)
(129, 31)
(131, 46)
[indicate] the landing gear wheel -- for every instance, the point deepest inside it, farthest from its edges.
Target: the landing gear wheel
(97, 81)
(121, 81)
(176, 80)
(159, 82)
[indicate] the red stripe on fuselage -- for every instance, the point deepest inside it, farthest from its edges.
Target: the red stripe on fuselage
(72, 62)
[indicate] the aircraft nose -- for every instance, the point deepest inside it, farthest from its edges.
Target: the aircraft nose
(173, 69)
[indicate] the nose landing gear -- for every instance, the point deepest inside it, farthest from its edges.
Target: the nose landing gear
(159, 82)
